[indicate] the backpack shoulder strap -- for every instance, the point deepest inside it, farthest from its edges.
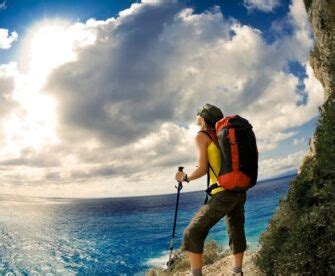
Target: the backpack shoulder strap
(207, 186)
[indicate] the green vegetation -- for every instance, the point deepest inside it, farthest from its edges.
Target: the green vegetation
(300, 237)
(212, 253)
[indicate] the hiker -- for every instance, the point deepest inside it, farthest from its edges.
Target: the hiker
(221, 203)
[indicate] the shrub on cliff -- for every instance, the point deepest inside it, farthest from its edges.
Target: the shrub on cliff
(300, 237)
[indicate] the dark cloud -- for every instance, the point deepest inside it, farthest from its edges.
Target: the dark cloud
(115, 89)
(49, 156)
(34, 162)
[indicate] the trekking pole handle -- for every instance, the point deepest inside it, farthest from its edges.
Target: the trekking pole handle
(180, 185)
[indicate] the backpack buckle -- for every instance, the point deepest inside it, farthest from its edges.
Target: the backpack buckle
(212, 187)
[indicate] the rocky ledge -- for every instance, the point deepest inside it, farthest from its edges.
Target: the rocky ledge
(219, 268)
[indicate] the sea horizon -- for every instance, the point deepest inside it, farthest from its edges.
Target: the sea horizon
(112, 197)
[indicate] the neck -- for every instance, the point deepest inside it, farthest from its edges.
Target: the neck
(205, 128)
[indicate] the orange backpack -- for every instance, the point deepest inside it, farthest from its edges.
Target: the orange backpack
(239, 154)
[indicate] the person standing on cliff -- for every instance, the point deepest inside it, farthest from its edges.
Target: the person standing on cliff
(222, 202)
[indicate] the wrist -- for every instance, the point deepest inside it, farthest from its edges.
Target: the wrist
(185, 178)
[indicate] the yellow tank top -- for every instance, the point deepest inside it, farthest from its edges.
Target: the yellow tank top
(214, 159)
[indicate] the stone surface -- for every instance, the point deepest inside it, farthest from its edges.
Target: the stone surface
(219, 268)
(321, 14)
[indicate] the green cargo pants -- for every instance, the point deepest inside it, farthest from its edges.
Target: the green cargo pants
(220, 204)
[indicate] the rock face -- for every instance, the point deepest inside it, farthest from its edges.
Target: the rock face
(321, 14)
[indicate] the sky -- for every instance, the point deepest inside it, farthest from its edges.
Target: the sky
(99, 98)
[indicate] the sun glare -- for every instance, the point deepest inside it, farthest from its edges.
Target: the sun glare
(33, 123)
(47, 45)
(51, 46)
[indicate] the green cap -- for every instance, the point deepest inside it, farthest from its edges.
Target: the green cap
(210, 113)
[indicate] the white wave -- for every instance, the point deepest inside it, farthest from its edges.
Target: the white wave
(253, 245)
(161, 260)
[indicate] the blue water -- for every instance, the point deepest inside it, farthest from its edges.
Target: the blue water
(115, 236)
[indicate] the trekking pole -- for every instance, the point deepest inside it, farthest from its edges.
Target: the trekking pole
(180, 186)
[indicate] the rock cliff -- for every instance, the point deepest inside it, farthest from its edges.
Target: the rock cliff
(321, 14)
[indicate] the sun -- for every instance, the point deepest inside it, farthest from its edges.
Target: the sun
(33, 123)
(51, 46)
(46, 46)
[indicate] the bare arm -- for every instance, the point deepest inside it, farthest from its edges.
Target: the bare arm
(201, 144)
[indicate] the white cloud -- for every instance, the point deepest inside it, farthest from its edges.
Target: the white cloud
(280, 164)
(131, 84)
(6, 39)
(297, 45)
(262, 5)
(277, 110)
(272, 140)
(145, 164)
(8, 73)
(297, 141)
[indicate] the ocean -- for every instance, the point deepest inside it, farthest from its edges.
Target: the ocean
(113, 236)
